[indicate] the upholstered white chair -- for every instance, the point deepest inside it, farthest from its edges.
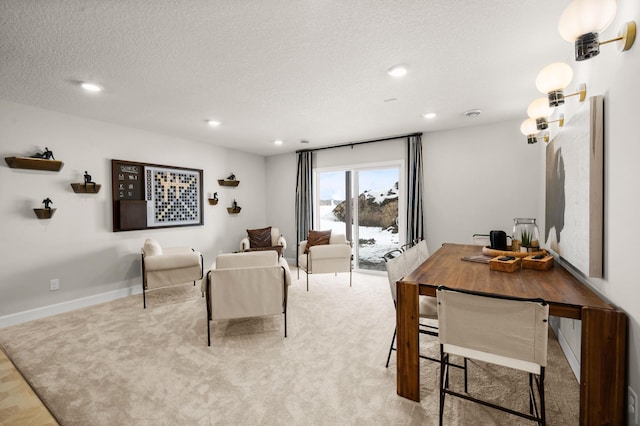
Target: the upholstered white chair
(333, 257)
(500, 330)
(263, 238)
(162, 267)
(243, 285)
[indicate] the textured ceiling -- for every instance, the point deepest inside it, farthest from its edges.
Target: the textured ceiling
(279, 69)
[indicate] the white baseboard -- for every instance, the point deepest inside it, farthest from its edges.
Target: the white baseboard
(70, 305)
(574, 362)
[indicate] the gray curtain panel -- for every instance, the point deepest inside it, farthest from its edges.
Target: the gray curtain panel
(304, 197)
(415, 211)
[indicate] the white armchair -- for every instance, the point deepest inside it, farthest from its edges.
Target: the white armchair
(333, 257)
(162, 267)
(243, 285)
(264, 242)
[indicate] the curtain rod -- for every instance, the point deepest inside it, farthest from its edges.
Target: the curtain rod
(352, 144)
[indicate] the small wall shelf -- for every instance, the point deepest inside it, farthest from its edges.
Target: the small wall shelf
(213, 201)
(33, 163)
(81, 188)
(227, 182)
(232, 210)
(44, 213)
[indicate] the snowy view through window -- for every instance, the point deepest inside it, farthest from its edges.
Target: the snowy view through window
(377, 217)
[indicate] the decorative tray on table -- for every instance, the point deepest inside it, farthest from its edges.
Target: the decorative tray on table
(488, 251)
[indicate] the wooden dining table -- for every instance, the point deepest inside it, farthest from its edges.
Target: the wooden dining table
(604, 326)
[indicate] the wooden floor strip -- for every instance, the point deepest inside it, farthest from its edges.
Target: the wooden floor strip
(19, 404)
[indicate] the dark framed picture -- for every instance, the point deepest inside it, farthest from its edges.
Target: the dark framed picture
(153, 195)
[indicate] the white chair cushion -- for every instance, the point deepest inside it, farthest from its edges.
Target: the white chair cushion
(173, 261)
(152, 247)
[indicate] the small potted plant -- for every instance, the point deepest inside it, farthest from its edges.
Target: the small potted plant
(526, 239)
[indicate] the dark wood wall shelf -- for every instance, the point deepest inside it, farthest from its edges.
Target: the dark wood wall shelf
(44, 213)
(213, 201)
(81, 188)
(227, 182)
(232, 210)
(33, 163)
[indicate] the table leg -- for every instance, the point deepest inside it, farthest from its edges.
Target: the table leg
(603, 367)
(407, 343)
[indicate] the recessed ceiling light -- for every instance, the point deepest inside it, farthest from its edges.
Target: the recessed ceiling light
(277, 142)
(397, 71)
(213, 123)
(91, 87)
(429, 115)
(304, 141)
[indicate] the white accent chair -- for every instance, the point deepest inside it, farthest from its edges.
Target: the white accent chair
(162, 267)
(329, 258)
(243, 285)
(500, 330)
(277, 239)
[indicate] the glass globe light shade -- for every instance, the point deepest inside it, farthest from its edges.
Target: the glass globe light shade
(528, 127)
(586, 16)
(555, 76)
(540, 108)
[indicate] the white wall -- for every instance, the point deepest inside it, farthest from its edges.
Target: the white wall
(77, 245)
(478, 179)
(281, 198)
(375, 152)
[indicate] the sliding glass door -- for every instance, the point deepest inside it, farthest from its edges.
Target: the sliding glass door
(363, 203)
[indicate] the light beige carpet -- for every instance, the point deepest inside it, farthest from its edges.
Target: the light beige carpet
(118, 364)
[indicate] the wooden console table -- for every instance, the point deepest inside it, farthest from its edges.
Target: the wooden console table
(604, 327)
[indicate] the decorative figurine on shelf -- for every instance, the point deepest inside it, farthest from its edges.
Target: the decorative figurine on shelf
(46, 203)
(235, 205)
(46, 155)
(215, 196)
(231, 177)
(87, 180)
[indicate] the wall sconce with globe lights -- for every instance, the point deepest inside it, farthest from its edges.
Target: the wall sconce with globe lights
(553, 79)
(583, 20)
(540, 111)
(529, 128)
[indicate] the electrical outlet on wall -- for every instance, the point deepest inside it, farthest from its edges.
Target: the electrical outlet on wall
(633, 406)
(54, 284)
